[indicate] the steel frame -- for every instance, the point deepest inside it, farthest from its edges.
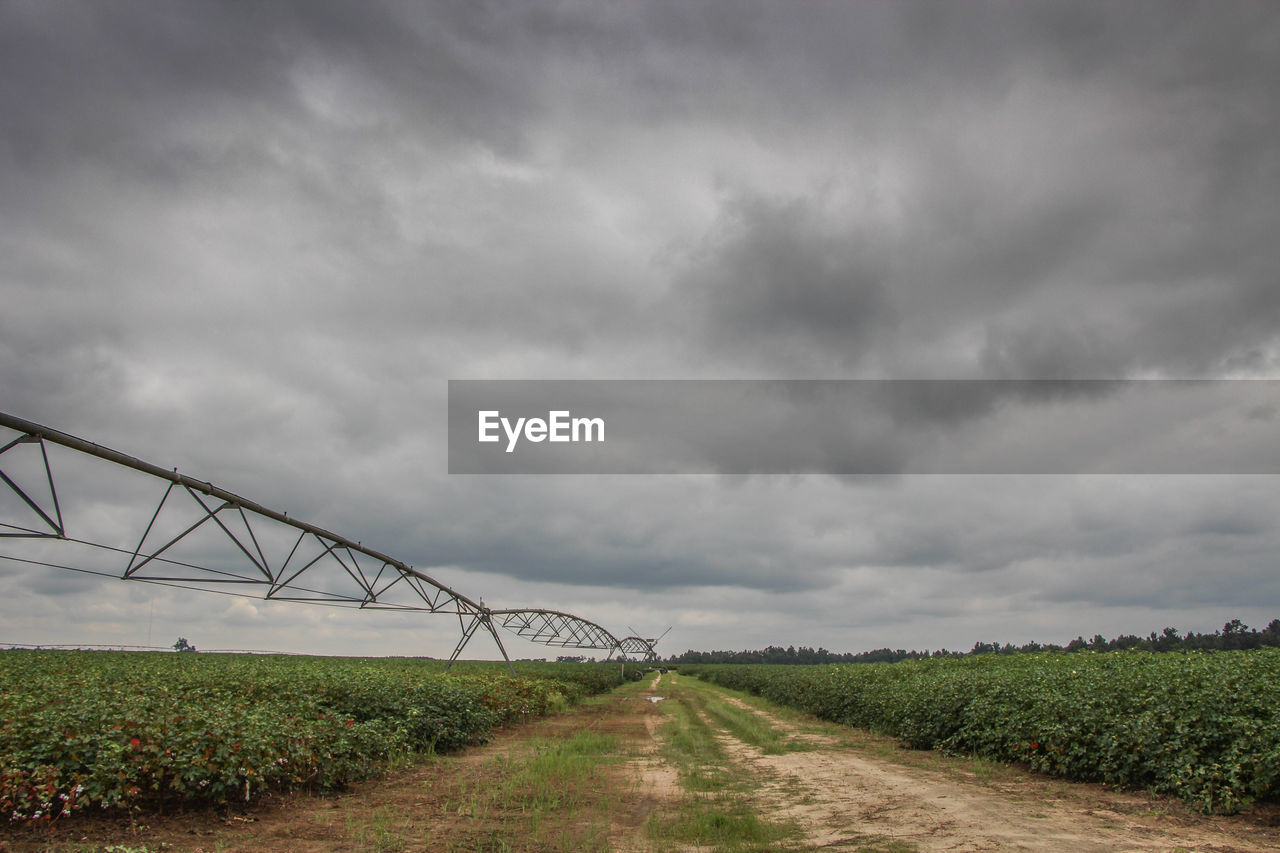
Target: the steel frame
(556, 628)
(56, 529)
(371, 576)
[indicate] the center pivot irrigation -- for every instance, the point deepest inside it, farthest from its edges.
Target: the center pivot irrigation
(204, 537)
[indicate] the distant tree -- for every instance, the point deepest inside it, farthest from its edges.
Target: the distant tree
(1168, 640)
(1124, 641)
(1237, 635)
(183, 646)
(1234, 635)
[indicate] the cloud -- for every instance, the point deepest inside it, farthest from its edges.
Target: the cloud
(255, 242)
(778, 284)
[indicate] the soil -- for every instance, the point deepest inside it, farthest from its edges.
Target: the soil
(842, 799)
(852, 792)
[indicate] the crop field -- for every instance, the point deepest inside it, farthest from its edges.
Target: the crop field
(173, 744)
(104, 730)
(1201, 726)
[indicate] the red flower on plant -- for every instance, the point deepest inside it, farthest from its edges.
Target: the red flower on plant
(135, 743)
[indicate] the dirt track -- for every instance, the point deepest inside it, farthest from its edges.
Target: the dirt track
(842, 794)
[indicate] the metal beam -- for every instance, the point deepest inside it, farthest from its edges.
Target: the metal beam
(79, 444)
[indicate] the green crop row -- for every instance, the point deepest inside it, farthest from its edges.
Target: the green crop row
(1203, 726)
(120, 730)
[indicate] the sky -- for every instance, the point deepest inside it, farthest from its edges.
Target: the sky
(254, 242)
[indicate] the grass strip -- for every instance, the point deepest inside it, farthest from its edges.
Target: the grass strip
(542, 797)
(728, 823)
(691, 744)
(750, 727)
(715, 810)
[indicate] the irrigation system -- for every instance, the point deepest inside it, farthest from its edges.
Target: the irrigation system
(250, 550)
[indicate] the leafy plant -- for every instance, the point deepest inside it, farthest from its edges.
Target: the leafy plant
(114, 730)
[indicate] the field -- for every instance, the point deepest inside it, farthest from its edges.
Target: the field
(1202, 726)
(101, 730)
(205, 753)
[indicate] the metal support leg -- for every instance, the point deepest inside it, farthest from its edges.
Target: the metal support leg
(466, 636)
(488, 623)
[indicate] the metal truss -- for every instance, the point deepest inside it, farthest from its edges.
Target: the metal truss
(555, 628)
(638, 646)
(49, 527)
(266, 554)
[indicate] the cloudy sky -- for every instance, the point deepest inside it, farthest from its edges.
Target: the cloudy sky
(254, 242)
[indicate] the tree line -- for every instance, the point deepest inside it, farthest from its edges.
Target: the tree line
(1234, 635)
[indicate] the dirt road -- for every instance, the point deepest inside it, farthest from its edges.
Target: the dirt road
(854, 787)
(678, 765)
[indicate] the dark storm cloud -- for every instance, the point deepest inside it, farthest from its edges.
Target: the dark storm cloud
(1067, 196)
(109, 72)
(772, 283)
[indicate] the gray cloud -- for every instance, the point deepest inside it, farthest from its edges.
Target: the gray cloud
(777, 286)
(254, 242)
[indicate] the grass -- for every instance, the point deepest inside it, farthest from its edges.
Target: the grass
(715, 810)
(541, 793)
(555, 776)
(544, 795)
(728, 823)
(376, 831)
(752, 728)
(692, 747)
(554, 790)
